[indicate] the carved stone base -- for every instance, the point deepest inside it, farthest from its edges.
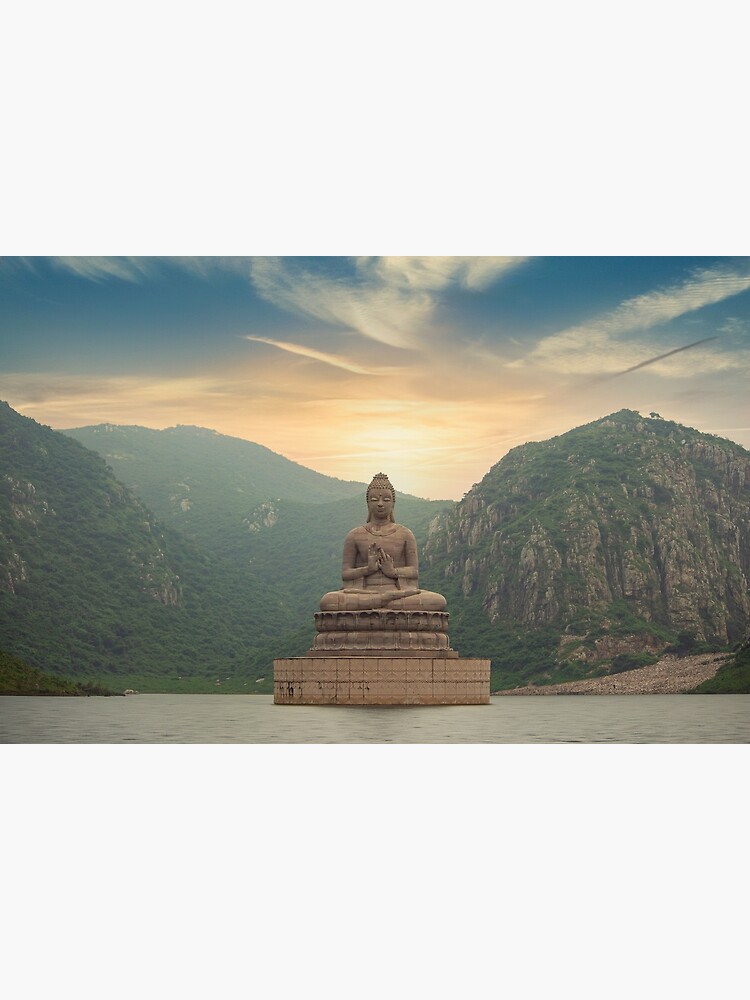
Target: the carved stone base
(385, 680)
(382, 632)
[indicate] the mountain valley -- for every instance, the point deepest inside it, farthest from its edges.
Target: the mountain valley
(190, 560)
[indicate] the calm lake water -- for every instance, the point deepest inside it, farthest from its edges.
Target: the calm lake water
(167, 718)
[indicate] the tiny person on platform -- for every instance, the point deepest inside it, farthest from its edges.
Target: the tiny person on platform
(380, 568)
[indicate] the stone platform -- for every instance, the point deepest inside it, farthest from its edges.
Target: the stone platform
(382, 632)
(381, 680)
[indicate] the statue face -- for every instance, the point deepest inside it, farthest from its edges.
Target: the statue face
(380, 504)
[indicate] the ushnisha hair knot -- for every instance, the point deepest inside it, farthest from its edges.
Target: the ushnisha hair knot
(381, 482)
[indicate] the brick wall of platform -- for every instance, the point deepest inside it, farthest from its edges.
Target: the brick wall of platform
(368, 680)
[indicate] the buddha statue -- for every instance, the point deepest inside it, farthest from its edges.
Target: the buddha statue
(380, 568)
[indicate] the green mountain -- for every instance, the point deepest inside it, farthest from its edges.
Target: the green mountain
(210, 487)
(598, 549)
(92, 586)
(268, 517)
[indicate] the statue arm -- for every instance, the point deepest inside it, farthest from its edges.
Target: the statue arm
(349, 570)
(411, 570)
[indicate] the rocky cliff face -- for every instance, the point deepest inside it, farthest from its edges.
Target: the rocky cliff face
(617, 534)
(30, 529)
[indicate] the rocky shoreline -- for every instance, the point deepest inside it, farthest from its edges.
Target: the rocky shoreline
(671, 675)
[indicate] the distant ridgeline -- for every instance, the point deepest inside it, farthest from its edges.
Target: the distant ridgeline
(599, 549)
(204, 559)
(267, 517)
(215, 489)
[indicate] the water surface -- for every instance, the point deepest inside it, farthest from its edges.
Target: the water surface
(169, 718)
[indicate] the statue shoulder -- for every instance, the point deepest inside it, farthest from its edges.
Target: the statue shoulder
(355, 533)
(406, 532)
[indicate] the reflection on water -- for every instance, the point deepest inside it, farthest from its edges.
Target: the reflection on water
(166, 718)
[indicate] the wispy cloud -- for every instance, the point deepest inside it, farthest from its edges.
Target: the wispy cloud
(135, 269)
(389, 299)
(72, 400)
(100, 268)
(705, 288)
(336, 360)
(596, 346)
(381, 312)
(436, 273)
(11, 266)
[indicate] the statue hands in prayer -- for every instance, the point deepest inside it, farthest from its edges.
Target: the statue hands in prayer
(380, 568)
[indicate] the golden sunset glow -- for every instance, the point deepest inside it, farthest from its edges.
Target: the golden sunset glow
(430, 369)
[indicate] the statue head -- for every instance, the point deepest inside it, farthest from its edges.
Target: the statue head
(380, 490)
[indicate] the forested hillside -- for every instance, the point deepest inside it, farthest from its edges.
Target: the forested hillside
(92, 586)
(207, 485)
(600, 548)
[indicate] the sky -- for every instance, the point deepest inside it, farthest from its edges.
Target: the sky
(426, 368)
